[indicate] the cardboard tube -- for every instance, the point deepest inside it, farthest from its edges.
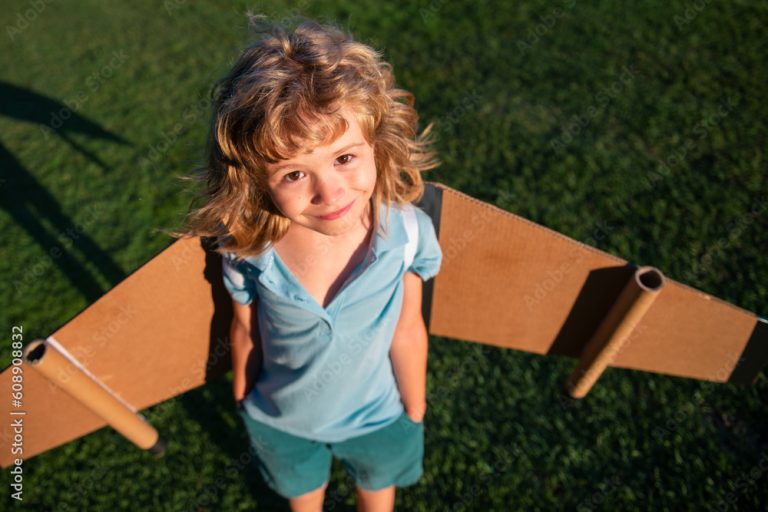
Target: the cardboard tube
(633, 302)
(59, 367)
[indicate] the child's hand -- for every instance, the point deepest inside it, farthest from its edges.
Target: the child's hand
(416, 413)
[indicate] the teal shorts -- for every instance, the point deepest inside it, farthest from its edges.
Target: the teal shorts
(292, 466)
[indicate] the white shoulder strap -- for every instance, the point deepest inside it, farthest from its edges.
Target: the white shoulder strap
(412, 229)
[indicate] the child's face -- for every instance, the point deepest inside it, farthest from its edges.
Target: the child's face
(328, 189)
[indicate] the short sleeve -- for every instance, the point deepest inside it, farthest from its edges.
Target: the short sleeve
(240, 286)
(426, 262)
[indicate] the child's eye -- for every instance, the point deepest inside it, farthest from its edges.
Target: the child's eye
(293, 176)
(345, 159)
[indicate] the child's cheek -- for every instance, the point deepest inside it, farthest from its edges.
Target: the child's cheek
(360, 180)
(290, 201)
(366, 176)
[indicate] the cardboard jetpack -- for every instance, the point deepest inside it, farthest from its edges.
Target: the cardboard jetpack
(504, 281)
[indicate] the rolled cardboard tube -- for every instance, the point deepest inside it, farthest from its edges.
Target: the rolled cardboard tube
(62, 369)
(616, 328)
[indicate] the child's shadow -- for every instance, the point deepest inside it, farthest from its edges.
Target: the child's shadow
(36, 210)
(210, 406)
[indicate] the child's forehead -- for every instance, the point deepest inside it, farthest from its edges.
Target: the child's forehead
(329, 150)
(344, 134)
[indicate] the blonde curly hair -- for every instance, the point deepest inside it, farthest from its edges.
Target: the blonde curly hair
(283, 95)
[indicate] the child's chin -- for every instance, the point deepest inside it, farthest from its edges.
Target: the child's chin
(334, 228)
(338, 227)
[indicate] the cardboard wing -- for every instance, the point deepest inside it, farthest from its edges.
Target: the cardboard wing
(160, 332)
(504, 281)
(509, 282)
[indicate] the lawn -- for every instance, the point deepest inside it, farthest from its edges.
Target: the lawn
(639, 129)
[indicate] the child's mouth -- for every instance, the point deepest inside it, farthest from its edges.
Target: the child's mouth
(338, 213)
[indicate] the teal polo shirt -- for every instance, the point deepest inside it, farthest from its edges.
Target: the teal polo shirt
(326, 372)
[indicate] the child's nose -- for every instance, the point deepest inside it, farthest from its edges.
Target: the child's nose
(329, 190)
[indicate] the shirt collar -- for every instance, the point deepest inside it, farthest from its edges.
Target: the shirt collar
(395, 236)
(263, 260)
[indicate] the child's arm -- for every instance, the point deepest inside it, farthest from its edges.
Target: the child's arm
(246, 355)
(409, 350)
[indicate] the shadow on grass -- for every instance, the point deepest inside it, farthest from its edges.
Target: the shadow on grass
(32, 207)
(209, 407)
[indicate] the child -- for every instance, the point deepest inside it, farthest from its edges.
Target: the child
(313, 163)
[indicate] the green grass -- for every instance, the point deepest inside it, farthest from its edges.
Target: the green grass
(639, 129)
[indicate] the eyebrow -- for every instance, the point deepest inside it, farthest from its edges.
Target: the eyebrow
(340, 150)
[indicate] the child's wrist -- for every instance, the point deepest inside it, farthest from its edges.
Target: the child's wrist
(416, 411)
